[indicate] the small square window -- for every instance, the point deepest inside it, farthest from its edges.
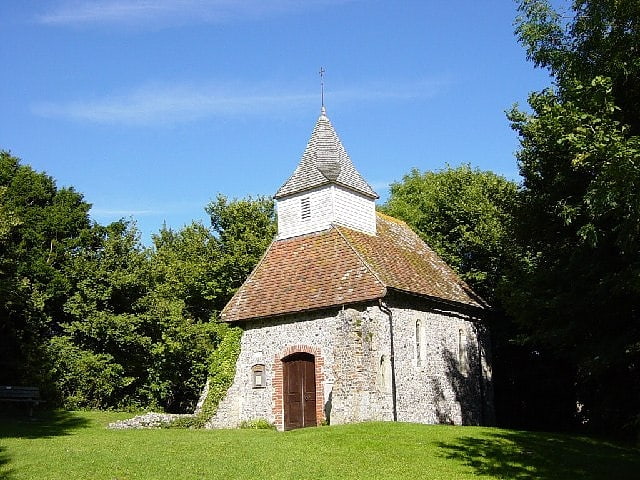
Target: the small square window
(257, 376)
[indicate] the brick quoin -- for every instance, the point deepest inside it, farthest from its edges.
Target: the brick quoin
(278, 405)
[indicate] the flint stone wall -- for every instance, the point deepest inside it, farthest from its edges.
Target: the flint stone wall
(356, 368)
(263, 343)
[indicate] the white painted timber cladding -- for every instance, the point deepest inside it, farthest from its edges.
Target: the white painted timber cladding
(330, 204)
(354, 210)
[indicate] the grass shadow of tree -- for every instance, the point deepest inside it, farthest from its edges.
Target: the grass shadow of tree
(44, 424)
(520, 455)
(5, 474)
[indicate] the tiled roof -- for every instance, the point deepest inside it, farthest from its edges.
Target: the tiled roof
(403, 261)
(314, 271)
(324, 161)
(342, 266)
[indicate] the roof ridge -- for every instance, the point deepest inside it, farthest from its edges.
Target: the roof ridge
(386, 216)
(360, 257)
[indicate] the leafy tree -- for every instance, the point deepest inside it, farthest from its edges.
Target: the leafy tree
(196, 271)
(84, 379)
(464, 214)
(8, 219)
(244, 229)
(42, 224)
(98, 320)
(182, 300)
(149, 313)
(185, 266)
(578, 296)
(111, 275)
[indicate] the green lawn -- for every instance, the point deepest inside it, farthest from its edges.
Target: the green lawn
(76, 445)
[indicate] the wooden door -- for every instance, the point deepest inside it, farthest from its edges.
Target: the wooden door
(299, 385)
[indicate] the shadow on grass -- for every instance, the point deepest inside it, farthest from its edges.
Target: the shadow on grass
(43, 424)
(5, 474)
(519, 455)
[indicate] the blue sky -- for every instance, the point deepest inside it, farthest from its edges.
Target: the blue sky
(150, 108)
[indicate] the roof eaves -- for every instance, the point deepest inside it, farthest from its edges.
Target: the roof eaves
(306, 310)
(451, 303)
(371, 194)
(279, 195)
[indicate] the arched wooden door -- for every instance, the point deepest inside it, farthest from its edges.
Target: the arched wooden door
(299, 391)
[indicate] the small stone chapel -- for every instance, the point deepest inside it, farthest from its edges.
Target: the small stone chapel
(349, 316)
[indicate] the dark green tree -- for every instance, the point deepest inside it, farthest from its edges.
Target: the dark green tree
(41, 225)
(105, 321)
(98, 320)
(244, 229)
(182, 300)
(578, 295)
(143, 319)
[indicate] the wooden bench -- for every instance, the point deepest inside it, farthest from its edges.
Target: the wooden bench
(29, 395)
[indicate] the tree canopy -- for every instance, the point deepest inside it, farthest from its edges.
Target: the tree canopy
(41, 225)
(99, 320)
(578, 216)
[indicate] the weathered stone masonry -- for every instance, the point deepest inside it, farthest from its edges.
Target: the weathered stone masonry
(352, 352)
(268, 342)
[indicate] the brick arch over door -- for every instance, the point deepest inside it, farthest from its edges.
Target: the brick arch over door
(277, 401)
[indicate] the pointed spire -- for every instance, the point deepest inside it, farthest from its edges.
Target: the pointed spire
(325, 161)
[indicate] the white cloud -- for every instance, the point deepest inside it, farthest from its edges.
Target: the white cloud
(122, 213)
(160, 13)
(171, 104)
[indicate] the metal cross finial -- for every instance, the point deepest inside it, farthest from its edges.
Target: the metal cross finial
(322, 70)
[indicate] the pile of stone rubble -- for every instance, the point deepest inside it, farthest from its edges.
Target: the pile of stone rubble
(149, 420)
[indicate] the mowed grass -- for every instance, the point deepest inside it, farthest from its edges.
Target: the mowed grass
(76, 445)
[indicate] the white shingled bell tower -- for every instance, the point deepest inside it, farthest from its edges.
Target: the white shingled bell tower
(325, 189)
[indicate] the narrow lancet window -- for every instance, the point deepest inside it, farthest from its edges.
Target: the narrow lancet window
(419, 343)
(463, 358)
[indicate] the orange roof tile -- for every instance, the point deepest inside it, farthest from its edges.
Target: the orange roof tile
(341, 266)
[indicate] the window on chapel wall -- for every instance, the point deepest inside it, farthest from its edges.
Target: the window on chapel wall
(463, 355)
(420, 350)
(383, 380)
(257, 376)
